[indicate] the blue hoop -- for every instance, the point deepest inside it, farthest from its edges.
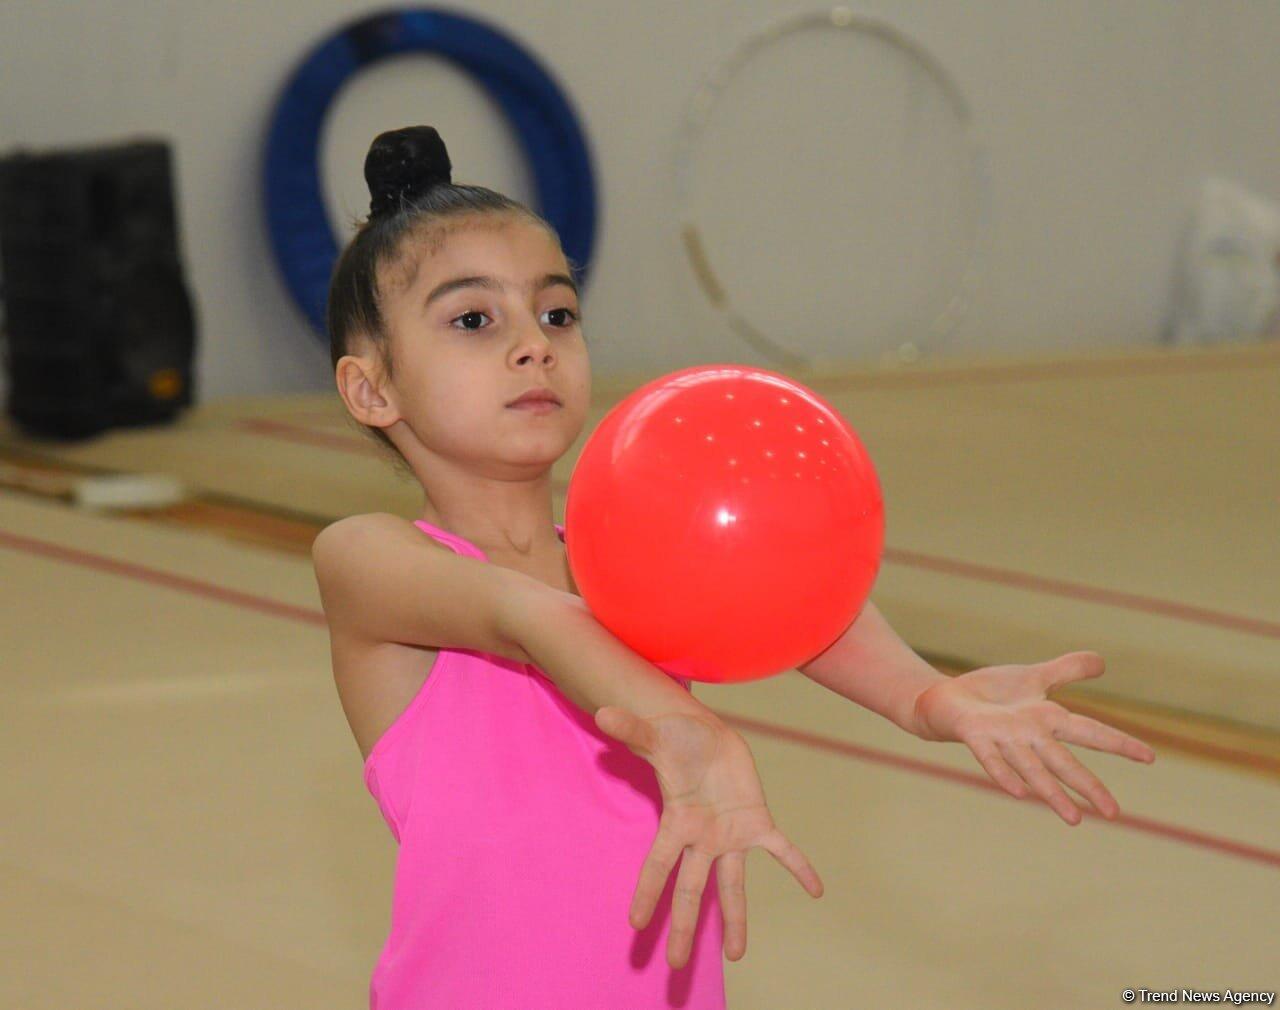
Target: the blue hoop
(553, 141)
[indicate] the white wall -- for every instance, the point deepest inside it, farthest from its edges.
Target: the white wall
(1101, 120)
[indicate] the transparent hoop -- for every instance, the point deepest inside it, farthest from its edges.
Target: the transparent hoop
(698, 112)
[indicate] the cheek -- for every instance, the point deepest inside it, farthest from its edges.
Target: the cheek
(453, 404)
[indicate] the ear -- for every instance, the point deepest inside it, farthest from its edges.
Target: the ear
(363, 388)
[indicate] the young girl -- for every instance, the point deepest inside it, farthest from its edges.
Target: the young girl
(521, 824)
(528, 763)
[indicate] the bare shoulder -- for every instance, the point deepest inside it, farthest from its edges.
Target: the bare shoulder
(375, 679)
(342, 545)
(345, 533)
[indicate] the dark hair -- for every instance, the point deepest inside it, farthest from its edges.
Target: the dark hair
(409, 176)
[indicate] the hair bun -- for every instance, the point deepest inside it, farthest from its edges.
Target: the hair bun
(403, 164)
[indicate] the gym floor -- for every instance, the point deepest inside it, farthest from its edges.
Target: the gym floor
(186, 823)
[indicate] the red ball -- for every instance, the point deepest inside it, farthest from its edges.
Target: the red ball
(725, 522)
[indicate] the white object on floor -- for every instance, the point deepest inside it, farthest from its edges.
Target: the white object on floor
(129, 490)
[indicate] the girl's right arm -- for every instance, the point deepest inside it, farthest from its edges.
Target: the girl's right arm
(713, 802)
(592, 667)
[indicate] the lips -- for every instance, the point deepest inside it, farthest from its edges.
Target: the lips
(536, 396)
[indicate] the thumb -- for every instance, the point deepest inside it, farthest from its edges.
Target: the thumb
(623, 725)
(1071, 666)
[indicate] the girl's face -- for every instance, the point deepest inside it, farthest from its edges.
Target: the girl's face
(464, 351)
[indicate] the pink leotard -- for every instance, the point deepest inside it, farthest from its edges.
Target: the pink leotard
(521, 830)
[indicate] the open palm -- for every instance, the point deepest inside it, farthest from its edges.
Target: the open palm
(1003, 714)
(713, 808)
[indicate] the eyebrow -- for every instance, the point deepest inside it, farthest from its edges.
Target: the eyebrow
(491, 283)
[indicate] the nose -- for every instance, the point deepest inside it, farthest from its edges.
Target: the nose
(533, 343)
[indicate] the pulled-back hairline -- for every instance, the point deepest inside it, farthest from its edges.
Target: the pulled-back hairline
(424, 239)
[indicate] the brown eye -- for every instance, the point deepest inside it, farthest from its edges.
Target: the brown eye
(573, 317)
(469, 315)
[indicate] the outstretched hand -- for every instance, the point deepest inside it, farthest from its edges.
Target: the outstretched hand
(713, 808)
(1003, 715)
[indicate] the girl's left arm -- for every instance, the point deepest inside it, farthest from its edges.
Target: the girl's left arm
(1001, 713)
(869, 664)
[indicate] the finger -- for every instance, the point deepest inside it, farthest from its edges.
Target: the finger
(1005, 777)
(731, 878)
(653, 877)
(1065, 765)
(790, 856)
(1028, 765)
(685, 904)
(1070, 667)
(1098, 735)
